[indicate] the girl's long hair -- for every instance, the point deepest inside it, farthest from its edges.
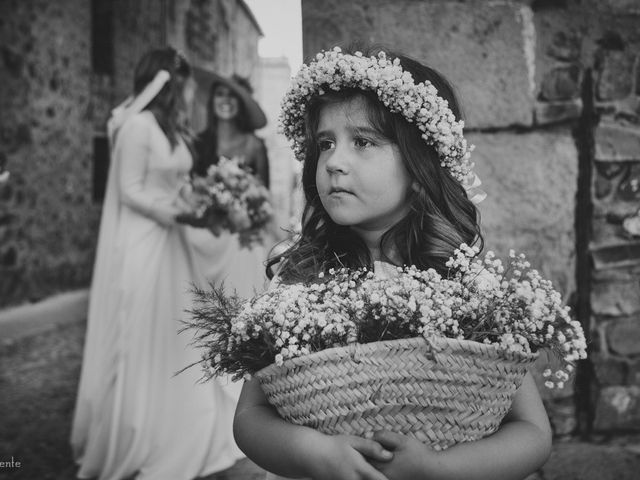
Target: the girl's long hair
(441, 216)
(206, 142)
(165, 106)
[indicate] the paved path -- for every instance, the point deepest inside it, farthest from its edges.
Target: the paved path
(35, 318)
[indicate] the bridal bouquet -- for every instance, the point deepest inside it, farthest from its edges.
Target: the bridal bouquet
(376, 348)
(231, 194)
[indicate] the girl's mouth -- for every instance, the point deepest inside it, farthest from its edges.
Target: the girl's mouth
(338, 190)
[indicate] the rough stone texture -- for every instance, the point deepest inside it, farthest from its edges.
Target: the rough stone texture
(47, 220)
(633, 374)
(615, 75)
(616, 256)
(617, 407)
(492, 44)
(616, 142)
(616, 298)
(621, 6)
(588, 461)
(609, 370)
(530, 180)
(554, 112)
(561, 83)
(623, 335)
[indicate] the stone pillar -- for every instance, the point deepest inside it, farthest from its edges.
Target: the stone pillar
(615, 242)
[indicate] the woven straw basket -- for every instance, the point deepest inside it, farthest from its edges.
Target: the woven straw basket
(441, 392)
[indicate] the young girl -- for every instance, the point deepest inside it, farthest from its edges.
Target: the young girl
(385, 171)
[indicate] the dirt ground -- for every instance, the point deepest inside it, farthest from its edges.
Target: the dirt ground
(38, 383)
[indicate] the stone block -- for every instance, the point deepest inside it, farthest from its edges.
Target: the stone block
(617, 407)
(530, 207)
(609, 370)
(561, 83)
(616, 256)
(565, 45)
(633, 374)
(616, 143)
(606, 231)
(553, 112)
(624, 274)
(615, 298)
(623, 335)
(615, 75)
(493, 45)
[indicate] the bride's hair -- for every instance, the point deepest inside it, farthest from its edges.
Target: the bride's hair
(441, 216)
(165, 105)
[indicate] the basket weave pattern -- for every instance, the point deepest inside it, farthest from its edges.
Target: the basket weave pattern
(441, 392)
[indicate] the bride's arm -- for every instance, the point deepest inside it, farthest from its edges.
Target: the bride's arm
(132, 152)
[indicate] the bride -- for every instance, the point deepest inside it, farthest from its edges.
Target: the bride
(133, 415)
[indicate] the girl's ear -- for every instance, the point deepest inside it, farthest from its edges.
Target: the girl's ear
(416, 187)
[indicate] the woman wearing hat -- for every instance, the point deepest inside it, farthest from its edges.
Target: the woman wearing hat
(232, 117)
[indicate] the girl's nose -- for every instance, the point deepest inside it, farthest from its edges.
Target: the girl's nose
(338, 161)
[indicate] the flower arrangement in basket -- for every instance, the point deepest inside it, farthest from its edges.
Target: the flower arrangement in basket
(438, 358)
(232, 195)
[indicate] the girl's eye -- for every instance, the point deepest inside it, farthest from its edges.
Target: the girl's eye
(325, 145)
(361, 142)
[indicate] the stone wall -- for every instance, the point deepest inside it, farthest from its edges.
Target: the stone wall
(615, 240)
(540, 81)
(47, 219)
(55, 105)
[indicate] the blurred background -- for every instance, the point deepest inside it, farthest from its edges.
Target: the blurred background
(551, 95)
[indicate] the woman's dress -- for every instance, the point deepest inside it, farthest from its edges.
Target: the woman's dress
(221, 257)
(133, 414)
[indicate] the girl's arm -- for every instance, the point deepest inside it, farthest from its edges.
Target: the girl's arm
(294, 451)
(132, 151)
(520, 447)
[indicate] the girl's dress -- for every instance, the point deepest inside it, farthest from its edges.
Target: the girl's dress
(133, 414)
(221, 257)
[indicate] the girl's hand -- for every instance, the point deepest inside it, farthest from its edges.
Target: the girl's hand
(344, 457)
(412, 459)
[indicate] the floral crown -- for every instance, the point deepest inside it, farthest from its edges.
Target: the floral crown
(418, 103)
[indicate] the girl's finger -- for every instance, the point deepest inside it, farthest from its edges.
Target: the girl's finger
(388, 439)
(370, 473)
(370, 449)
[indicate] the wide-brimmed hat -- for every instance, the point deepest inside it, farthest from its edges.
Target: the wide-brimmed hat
(242, 88)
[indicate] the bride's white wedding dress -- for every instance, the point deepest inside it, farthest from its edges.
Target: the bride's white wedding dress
(134, 415)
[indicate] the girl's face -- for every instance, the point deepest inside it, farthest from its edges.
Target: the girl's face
(361, 178)
(226, 104)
